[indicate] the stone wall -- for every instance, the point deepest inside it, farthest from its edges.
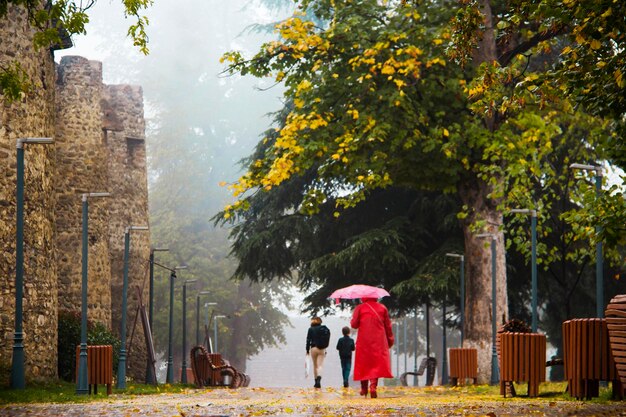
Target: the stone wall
(33, 116)
(82, 155)
(99, 147)
(125, 137)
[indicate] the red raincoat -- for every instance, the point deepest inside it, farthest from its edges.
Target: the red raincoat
(373, 341)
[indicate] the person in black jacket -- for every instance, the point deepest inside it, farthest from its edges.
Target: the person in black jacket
(345, 346)
(316, 343)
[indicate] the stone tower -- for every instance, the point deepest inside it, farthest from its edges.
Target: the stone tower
(124, 128)
(82, 155)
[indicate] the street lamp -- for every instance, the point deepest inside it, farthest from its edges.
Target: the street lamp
(209, 344)
(462, 270)
(219, 316)
(17, 365)
(533, 233)
(170, 358)
(415, 345)
(599, 261)
(494, 358)
(444, 361)
(198, 314)
(150, 377)
(82, 386)
(183, 377)
(121, 366)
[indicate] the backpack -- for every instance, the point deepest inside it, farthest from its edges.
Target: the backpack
(323, 337)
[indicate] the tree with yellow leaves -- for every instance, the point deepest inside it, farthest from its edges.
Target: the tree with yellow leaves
(378, 102)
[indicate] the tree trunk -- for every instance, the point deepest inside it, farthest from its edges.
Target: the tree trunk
(478, 296)
(474, 193)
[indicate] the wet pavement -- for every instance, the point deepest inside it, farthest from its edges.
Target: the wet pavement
(327, 402)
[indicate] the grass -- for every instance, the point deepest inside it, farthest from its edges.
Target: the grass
(65, 392)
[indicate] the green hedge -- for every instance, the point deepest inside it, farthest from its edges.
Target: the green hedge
(69, 338)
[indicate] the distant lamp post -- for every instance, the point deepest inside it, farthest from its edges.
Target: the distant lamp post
(198, 314)
(150, 377)
(209, 344)
(533, 233)
(495, 378)
(169, 378)
(82, 386)
(415, 344)
(462, 279)
(183, 377)
(121, 367)
(219, 316)
(599, 260)
(18, 380)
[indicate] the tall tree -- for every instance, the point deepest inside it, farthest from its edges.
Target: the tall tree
(374, 97)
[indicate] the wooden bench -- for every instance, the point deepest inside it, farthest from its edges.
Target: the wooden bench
(522, 359)
(99, 366)
(587, 357)
(616, 324)
(209, 369)
(463, 365)
(429, 365)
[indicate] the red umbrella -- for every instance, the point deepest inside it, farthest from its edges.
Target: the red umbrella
(359, 291)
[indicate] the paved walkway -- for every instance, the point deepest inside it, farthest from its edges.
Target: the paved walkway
(295, 402)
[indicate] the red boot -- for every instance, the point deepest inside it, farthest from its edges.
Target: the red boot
(364, 388)
(373, 385)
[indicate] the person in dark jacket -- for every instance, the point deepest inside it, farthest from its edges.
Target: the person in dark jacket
(316, 344)
(345, 346)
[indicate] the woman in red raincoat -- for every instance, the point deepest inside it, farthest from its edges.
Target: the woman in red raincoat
(374, 339)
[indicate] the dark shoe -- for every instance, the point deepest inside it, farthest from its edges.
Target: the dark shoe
(318, 381)
(364, 385)
(345, 384)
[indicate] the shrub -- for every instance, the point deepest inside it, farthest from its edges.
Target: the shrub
(69, 338)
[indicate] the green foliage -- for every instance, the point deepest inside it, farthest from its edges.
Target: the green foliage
(14, 82)
(69, 337)
(61, 18)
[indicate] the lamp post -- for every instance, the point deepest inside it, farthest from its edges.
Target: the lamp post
(444, 360)
(198, 313)
(209, 345)
(169, 378)
(150, 378)
(17, 365)
(121, 366)
(495, 378)
(533, 234)
(219, 316)
(462, 269)
(415, 347)
(183, 377)
(599, 260)
(82, 387)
